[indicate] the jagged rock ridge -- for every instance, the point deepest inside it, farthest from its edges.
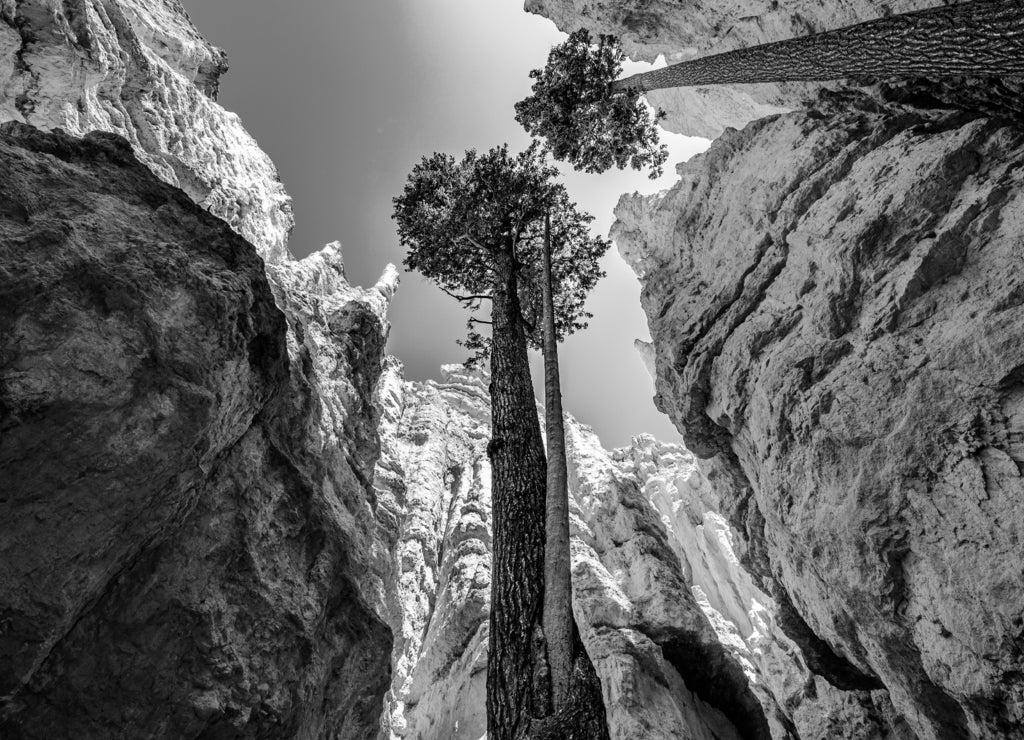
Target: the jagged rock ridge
(140, 69)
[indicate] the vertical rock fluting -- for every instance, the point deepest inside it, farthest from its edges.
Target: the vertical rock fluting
(140, 69)
(435, 474)
(651, 28)
(187, 533)
(835, 302)
(685, 644)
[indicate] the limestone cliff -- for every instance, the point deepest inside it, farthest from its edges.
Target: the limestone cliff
(649, 28)
(835, 302)
(140, 69)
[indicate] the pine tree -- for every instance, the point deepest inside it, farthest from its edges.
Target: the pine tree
(584, 121)
(595, 121)
(475, 226)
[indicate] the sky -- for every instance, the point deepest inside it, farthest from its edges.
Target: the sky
(347, 95)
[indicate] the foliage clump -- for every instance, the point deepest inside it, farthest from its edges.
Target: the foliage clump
(583, 121)
(467, 223)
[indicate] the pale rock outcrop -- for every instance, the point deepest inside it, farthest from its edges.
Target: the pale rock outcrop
(187, 535)
(669, 618)
(698, 28)
(140, 69)
(742, 615)
(434, 468)
(835, 303)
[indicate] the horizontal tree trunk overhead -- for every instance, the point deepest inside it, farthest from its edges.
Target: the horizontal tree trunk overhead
(981, 38)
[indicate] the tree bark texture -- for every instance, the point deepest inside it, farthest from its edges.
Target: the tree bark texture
(558, 620)
(517, 498)
(518, 678)
(980, 38)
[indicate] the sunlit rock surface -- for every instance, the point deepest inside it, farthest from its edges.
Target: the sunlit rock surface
(836, 304)
(187, 532)
(139, 68)
(702, 27)
(671, 620)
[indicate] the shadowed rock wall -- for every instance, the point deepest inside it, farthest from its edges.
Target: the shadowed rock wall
(187, 522)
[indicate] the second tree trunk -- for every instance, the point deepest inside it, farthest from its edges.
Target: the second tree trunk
(558, 619)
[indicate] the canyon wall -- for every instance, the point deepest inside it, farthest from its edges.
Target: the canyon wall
(835, 302)
(189, 538)
(221, 518)
(188, 534)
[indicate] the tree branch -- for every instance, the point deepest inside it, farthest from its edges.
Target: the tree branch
(479, 321)
(464, 298)
(474, 242)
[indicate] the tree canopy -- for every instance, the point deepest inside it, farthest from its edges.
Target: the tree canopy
(476, 227)
(583, 120)
(454, 216)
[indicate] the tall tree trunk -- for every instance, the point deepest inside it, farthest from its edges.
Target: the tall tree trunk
(981, 38)
(517, 498)
(558, 620)
(576, 699)
(518, 678)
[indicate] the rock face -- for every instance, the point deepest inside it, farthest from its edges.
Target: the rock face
(685, 643)
(835, 302)
(187, 525)
(140, 69)
(649, 28)
(187, 435)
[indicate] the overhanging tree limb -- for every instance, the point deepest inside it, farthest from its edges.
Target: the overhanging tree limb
(465, 298)
(980, 38)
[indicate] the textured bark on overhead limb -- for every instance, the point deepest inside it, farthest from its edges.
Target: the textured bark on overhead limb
(976, 39)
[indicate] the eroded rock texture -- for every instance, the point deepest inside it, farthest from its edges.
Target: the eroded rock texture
(702, 27)
(187, 525)
(836, 304)
(685, 643)
(139, 68)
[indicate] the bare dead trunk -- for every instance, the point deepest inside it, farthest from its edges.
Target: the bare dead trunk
(558, 619)
(981, 38)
